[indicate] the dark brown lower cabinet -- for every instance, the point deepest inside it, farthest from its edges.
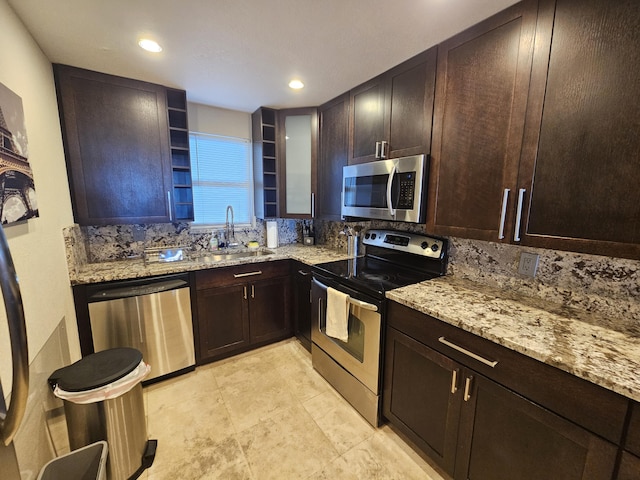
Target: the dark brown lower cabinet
(223, 321)
(477, 429)
(629, 467)
(503, 436)
(239, 308)
(301, 309)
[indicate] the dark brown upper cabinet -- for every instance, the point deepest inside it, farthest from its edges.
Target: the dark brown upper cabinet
(390, 115)
(332, 156)
(116, 138)
(482, 88)
(580, 169)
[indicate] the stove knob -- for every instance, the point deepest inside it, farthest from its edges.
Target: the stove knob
(373, 236)
(434, 247)
(424, 245)
(367, 235)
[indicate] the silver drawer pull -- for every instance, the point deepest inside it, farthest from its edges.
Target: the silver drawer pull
(303, 273)
(454, 381)
(467, 352)
(249, 274)
(361, 304)
(467, 388)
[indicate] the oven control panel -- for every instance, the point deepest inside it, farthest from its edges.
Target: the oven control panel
(405, 241)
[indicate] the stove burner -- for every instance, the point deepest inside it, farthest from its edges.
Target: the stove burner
(375, 277)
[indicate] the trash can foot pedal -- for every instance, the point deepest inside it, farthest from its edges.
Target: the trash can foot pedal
(148, 457)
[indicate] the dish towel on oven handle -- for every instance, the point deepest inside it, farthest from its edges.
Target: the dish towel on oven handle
(337, 314)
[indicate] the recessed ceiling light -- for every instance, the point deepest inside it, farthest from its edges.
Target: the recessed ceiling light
(296, 84)
(149, 45)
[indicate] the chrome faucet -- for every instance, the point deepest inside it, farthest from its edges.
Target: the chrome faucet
(230, 229)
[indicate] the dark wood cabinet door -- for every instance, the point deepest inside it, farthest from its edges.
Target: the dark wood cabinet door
(420, 396)
(269, 313)
(482, 84)
(117, 147)
(333, 155)
(629, 467)
(503, 436)
(632, 442)
(409, 105)
(302, 304)
(223, 321)
(366, 120)
(584, 194)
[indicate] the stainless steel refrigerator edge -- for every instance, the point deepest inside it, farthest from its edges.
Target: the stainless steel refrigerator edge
(152, 315)
(10, 419)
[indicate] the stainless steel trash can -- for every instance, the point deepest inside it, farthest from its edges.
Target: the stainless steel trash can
(103, 400)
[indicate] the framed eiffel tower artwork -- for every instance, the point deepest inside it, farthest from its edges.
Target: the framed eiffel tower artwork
(17, 189)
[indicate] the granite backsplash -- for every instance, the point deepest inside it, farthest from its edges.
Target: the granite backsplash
(604, 285)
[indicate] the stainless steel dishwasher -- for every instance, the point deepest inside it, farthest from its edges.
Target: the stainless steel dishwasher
(152, 315)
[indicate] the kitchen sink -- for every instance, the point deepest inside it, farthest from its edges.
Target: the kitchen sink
(225, 256)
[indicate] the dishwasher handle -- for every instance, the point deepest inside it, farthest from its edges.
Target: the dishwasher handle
(137, 290)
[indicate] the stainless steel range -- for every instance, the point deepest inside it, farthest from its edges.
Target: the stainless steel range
(348, 310)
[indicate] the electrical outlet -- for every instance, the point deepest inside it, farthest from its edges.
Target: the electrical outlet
(138, 233)
(528, 264)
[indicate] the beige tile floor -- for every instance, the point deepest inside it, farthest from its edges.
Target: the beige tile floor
(267, 414)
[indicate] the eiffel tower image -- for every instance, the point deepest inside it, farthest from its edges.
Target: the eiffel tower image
(17, 190)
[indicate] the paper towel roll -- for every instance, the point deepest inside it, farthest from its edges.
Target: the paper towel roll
(272, 234)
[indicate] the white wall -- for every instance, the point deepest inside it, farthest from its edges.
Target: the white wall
(37, 246)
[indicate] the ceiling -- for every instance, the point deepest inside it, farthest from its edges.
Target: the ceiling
(241, 54)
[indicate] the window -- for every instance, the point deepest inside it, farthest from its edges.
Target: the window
(222, 175)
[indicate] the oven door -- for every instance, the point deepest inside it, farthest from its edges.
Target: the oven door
(360, 354)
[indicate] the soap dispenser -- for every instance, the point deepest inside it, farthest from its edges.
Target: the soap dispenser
(213, 242)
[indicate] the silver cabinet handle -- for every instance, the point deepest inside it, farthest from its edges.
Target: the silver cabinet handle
(170, 206)
(378, 150)
(454, 381)
(458, 348)
(516, 233)
(253, 291)
(503, 213)
(244, 292)
(303, 273)
(313, 205)
(10, 420)
(467, 388)
(383, 149)
(249, 274)
(319, 313)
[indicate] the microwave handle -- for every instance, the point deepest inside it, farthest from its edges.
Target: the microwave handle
(392, 210)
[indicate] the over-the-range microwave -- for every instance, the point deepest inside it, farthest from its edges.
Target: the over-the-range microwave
(393, 189)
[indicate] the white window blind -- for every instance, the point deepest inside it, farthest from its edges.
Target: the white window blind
(222, 175)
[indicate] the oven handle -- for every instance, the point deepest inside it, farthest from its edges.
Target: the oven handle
(353, 301)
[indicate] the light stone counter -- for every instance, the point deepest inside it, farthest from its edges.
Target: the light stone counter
(601, 350)
(136, 268)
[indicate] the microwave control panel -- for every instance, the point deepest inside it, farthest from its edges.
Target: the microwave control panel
(406, 184)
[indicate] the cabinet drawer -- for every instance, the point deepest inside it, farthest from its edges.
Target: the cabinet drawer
(250, 272)
(595, 408)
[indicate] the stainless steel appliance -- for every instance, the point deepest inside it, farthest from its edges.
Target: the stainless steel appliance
(393, 259)
(393, 189)
(151, 315)
(10, 419)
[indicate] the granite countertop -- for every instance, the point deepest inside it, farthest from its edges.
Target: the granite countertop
(136, 268)
(601, 350)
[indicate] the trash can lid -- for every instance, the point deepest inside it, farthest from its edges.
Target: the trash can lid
(96, 370)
